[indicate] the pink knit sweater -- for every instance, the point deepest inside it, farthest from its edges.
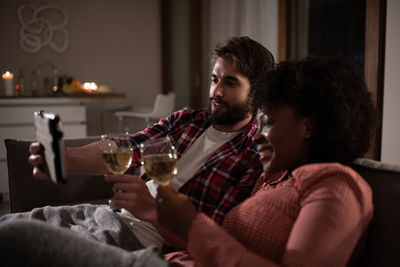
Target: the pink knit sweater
(314, 218)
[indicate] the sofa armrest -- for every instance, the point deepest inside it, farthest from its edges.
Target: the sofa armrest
(380, 246)
(27, 193)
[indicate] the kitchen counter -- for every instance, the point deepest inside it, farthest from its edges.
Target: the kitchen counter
(81, 115)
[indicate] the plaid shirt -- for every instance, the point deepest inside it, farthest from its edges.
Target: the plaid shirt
(228, 175)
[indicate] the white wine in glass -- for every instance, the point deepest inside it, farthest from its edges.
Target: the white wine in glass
(116, 158)
(160, 160)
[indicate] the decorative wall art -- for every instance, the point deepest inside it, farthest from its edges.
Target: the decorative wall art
(43, 26)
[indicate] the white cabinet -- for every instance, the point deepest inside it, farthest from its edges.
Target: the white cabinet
(16, 122)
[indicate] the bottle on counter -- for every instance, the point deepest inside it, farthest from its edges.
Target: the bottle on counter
(20, 85)
(35, 83)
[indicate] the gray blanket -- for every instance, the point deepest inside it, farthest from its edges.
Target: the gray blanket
(34, 243)
(96, 222)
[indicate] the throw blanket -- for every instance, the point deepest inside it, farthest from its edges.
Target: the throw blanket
(96, 222)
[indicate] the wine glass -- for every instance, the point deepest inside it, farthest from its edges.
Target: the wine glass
(116, 158)
(160, 160)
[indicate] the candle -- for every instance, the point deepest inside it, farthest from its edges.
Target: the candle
(8, 83)
(89, 86)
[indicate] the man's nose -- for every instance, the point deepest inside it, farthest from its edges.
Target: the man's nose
(218, 90)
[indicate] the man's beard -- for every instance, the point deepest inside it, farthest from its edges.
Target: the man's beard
(232, 114)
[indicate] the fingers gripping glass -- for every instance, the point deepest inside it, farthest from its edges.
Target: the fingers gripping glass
(160, 160)
(116, 158)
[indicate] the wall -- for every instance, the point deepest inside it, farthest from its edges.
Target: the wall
(390, 152)
(180, 52)
(257, 19)
(222, 19)
(116, 43)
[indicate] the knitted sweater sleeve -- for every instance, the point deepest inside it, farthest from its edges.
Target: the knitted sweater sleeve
(336, 208)
(334, 212)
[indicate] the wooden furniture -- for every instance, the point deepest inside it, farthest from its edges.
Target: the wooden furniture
(164, 105)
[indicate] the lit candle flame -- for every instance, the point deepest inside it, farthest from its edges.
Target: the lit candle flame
(7, 75)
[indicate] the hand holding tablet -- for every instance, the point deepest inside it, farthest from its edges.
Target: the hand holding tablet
(49, 133)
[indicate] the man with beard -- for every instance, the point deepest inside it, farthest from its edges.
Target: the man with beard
(218, 162)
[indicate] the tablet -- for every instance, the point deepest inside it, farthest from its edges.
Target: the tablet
(49, 133)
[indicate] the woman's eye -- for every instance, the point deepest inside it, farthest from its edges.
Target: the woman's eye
(261, 120)
(268, 122)
(264, 121)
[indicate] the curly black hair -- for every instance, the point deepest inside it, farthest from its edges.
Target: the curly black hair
(333, 94)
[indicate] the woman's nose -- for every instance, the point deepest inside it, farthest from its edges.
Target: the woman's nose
(261, 135)
(258, 136)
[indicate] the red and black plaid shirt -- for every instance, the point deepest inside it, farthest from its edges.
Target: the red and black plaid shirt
(226, 178)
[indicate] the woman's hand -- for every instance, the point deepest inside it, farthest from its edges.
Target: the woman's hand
(175, 211)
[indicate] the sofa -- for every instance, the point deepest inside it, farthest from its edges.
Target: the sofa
(378, 247)
(27, 193)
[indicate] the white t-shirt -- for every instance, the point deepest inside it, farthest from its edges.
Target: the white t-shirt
(188, 164)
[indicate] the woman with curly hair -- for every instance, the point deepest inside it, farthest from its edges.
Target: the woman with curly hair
(316, 116)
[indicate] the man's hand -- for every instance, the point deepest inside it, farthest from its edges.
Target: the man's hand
(175, 211)
(36, 159)
(132, 194)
